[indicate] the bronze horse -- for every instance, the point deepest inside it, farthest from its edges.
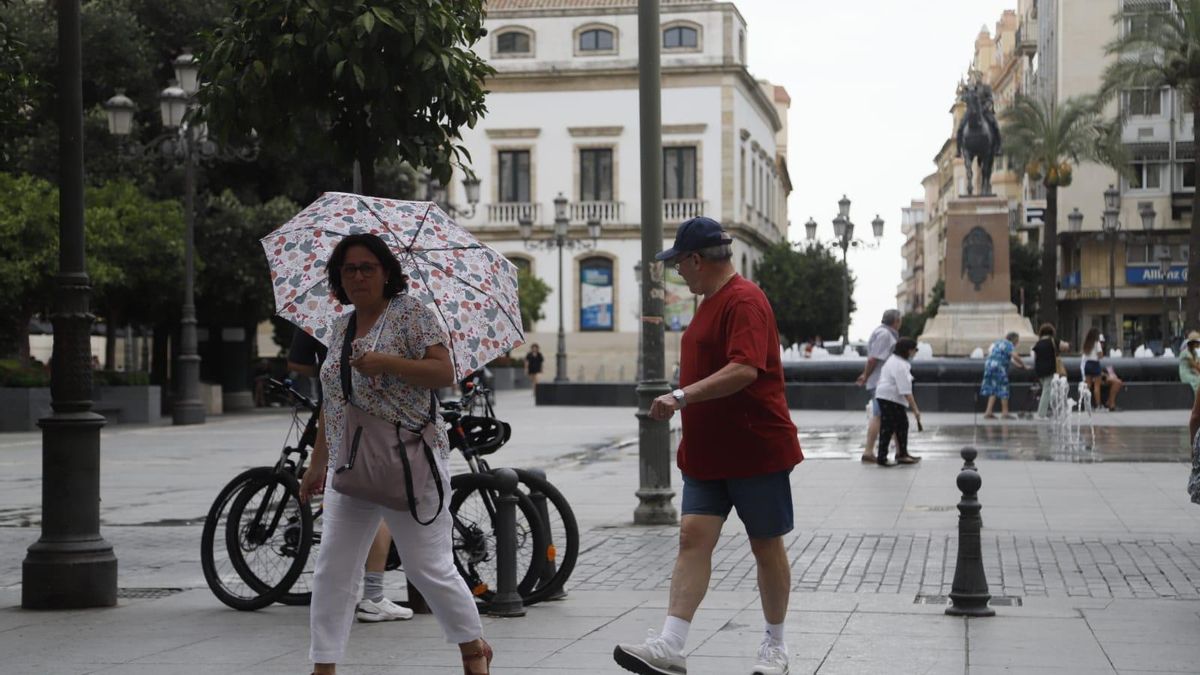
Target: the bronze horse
(978, 137)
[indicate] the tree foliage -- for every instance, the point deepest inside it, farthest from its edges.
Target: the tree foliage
(804, 286)
(1162, 49)
(1045, 140)
(913, 324)
(29, 239)
(531, 295)
(1025, 275)
(363, 80)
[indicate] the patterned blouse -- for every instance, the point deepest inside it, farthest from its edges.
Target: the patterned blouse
(406, 328)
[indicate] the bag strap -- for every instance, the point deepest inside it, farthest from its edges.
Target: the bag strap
(408, 483)
(347, 383)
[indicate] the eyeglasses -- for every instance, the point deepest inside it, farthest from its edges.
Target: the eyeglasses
(367, 270)
(679, 261)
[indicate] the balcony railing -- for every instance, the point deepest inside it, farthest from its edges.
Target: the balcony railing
(512, 213)
(679, 210)
(605, 212)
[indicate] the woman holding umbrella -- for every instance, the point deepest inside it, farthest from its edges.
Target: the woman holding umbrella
(399, 356)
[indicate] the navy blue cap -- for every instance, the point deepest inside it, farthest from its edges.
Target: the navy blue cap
(698, 233)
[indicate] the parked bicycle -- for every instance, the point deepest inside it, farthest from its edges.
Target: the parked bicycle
(259, 541)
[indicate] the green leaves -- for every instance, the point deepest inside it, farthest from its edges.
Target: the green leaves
(817, 310)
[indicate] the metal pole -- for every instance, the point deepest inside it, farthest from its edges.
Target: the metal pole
(1115, 335)
(1166, 313)
(71, 565)
(507, 601)
(654, 437)
(845, 296)
(188, 408)
(560, 355)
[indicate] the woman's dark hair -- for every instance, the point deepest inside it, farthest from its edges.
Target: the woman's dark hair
(396, 283)
(1046, 329)
(904, 346)
(1093, 336)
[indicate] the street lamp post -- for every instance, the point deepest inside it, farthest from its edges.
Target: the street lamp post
(71, 565)
(843, 232)
(187, 142)
(437, 193)
(1112, 226)
(561, 240)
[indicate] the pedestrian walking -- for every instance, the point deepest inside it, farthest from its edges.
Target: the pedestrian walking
(995, 374)
(533, 364)
(879, 350)
(738, 448)
(895, 397)
(397, 358)
(1045, 365)
(1189, 361)
(305, 356)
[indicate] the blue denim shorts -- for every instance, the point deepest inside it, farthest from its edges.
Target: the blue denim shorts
(764, 503)
(874, 403)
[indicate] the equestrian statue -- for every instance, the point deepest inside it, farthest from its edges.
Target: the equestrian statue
(978, 136)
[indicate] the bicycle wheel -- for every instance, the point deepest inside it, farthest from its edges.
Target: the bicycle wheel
(219, 572)
(301, 591)
(562, 548)
(474, 537)
(269, 534)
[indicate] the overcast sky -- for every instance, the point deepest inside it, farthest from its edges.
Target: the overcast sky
(872, 82)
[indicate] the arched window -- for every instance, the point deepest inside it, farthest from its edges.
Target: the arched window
(514, 42)
(681, 37)
(596, 294)
(597, 40)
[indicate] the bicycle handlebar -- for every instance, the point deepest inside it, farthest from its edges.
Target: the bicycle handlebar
(286, 387)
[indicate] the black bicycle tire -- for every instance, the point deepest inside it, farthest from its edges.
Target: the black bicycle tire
(570, 547)
(234, 533)
(213, 576)
(301, 598)
(528, 571)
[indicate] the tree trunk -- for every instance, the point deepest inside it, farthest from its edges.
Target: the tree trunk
(22, 337)
(1191, 319)
(366, 167)
(1048, 297)
(110, 342)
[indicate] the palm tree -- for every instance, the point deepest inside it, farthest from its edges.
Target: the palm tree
(1045, 140)
(1162, 49)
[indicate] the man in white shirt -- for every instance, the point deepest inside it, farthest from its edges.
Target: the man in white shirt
(879, 348)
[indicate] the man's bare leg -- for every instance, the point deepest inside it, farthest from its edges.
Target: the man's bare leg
(698, 535)
(774, 577)
(872, 438)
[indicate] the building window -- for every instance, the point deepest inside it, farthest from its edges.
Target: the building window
(596, 175)
(597, 40)
(1145, 102)
(1187, 174)
(1145, 175)
(679, 172)
(596, 294)
(524, 265)
(514, 176)
(681, 37)
(742, 177)
(514, 42)
(742, 46)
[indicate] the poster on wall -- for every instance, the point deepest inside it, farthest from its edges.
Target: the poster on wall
(680, 304)
(596, 298)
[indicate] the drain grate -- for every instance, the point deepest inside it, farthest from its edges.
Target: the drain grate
(146, 593)
(996, 601)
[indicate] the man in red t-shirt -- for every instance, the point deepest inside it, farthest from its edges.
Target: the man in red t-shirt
(738, 449)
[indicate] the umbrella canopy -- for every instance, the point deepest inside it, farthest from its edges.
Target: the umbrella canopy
(470, 287)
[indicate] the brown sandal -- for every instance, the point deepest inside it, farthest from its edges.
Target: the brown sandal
(486, 652)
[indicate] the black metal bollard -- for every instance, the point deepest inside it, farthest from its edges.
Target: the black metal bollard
(969, 454)
(507, 601)
(969, 594)
(550, 566)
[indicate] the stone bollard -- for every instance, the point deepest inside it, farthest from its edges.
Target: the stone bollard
(550, 567)
(969, 594)
(507, 601)
(969, 454)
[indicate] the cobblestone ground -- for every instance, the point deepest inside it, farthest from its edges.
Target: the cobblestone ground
(1017, 566)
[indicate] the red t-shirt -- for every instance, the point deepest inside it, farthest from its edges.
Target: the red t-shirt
(749, 433)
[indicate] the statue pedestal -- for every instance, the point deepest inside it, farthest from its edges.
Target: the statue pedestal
(977, 311)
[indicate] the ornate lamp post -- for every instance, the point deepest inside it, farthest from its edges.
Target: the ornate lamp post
(437, 193)
(71, 565)
(1112, 226)
(843, 232)
(186, 142)
(561, 239)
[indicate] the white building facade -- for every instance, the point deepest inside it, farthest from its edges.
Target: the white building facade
(563, 120)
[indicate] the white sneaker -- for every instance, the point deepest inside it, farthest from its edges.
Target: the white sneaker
(772, 659)
(652, 657)
(385, 610)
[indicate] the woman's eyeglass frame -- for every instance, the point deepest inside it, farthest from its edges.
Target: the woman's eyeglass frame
(366, 270)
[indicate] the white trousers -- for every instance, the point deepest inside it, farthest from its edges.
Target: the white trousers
(348, 529)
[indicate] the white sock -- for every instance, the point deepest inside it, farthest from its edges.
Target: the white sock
(775, 634)
(675, 632)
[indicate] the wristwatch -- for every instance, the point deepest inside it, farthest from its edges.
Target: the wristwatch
(680, 397)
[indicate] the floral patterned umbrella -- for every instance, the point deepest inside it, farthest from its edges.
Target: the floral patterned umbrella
(471, 288)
